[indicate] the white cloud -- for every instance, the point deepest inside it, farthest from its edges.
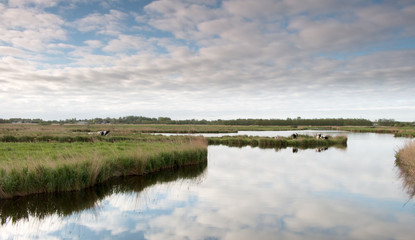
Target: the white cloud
(126, 42)
(94, 43)
(29, 29)
(110, 23)
(10, 51)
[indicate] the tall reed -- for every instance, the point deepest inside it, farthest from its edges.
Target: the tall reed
(405, 161)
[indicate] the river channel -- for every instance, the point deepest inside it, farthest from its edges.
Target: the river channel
(242, 193)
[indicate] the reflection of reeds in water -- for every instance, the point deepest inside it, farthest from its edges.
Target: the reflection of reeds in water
(62, 204)
(405, 160)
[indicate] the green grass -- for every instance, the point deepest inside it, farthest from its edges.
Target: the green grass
(34, 167)
(303, 141)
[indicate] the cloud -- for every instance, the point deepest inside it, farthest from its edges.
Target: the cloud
(29, 29)
(94, 43)
(33, 3)
(108, 24)
(178, 17)
(127, 42)
(7, 51)
(276, 54)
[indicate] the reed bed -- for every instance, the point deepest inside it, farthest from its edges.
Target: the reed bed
(303, 141)
(410, 134)
(405, 161)
(34, 167)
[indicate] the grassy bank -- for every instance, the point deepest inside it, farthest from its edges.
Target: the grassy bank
(397, 131)
(405, 161)
(303, 141)
(34, 167)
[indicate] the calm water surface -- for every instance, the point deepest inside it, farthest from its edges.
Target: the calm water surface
(243, 193)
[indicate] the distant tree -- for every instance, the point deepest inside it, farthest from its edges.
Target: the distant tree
(386, 122)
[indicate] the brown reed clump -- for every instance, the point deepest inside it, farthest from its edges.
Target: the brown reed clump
(405, 160)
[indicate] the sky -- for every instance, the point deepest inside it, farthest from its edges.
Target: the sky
(207, 59)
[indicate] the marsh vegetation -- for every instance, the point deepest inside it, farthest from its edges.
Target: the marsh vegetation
(405, 160)
(302, 141)
(34, 163)
(48, 158)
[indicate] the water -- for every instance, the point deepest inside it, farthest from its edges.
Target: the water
(243, 193)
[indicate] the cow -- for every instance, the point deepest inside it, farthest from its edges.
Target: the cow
(103, 133)
(320, 136)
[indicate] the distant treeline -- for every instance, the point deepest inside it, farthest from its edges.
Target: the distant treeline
(260, 122)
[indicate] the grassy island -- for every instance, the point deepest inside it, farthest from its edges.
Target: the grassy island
(302, 141)
(405, 161)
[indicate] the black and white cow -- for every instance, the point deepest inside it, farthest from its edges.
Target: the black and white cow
(320, 136)
(103, 133)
